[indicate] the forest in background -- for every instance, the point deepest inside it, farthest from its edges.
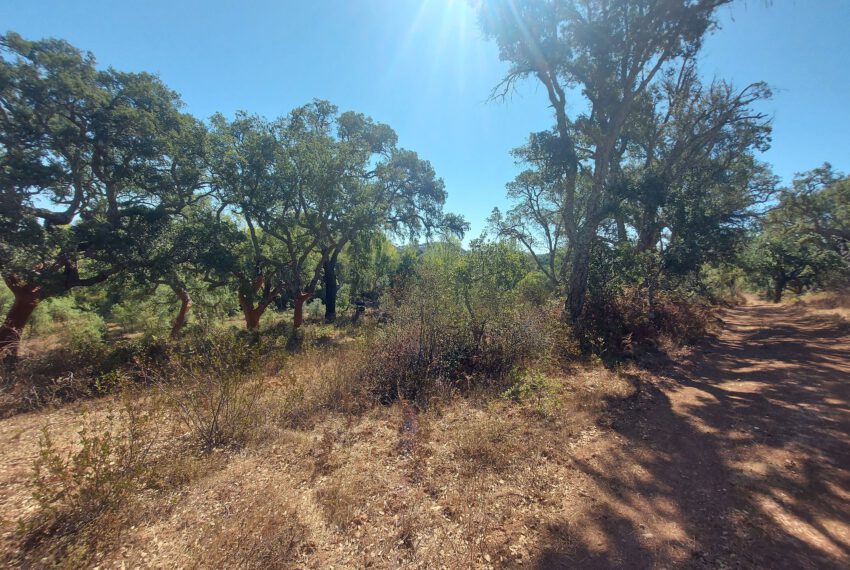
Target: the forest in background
(144, 248)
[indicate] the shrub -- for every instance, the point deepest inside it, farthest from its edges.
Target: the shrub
(78, 330)
(149, 315)
(618, 324)
(534, 389)
(682, 321)
(84, 333)
(76, 490)
(535, 288)
(416, 355)
(213, 390)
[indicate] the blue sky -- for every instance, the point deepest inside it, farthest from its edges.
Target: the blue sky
(423, 67)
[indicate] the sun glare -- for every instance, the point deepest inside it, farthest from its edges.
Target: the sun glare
(439, 39)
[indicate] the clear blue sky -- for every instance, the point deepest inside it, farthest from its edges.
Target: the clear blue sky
(422, 67)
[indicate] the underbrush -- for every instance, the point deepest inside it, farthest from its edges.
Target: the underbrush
(68, 373)
(87, 493)
(622, 325)
(212, 389)
(834, 301)
(488, 406)
(422, 355)
(81, 494)
(59, 372)
(833, 306)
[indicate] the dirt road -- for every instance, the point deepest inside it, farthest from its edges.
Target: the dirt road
(738, 457)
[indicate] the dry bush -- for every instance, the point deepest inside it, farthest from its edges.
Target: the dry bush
(58, 375)
(682, 321)
(27, 389)
(316, 381)
(619, 324)
(832, 304)
(827, 300)
(47, 378)
(213, 390)
(418, 356)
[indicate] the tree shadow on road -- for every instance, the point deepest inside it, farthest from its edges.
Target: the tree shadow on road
(738, 457)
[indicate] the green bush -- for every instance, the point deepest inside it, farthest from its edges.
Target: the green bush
(74, 490)
(84, 333)
(535, 289)
(535, 389)
(78, 330)
(150, 315)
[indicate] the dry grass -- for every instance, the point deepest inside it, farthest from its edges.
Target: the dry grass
(325, 481)
(827, 303)
(261, 530)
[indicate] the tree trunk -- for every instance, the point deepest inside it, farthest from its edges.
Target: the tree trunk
(300, 299)
(650, 298)
(580, 270)
(252, 315)
(778, 289)
(331, 289)
(26, 300)
(185, 305)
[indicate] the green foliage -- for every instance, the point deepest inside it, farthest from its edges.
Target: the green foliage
(106, 468)
(777, 260)
(149, 314)
(461, 324)
(805, 239)
(725, 282)
(819, 203)
(6, 299)
(534, 288)
(368, 265)
(104, 149)
(78, 329)
(658, 171)
(534, 389)
(633, 208)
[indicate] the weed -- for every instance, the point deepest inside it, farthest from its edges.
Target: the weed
(534, 389)
(214, 391)
(76, 492)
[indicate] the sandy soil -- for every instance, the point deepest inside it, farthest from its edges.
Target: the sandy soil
(738, 457)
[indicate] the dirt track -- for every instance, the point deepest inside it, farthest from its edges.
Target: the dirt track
(736, 458)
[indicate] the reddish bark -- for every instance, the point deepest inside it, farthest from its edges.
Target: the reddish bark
(185, 305)
(26, 300)
(300, 299)
(266, 294)
(252, 314)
